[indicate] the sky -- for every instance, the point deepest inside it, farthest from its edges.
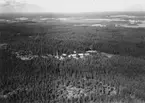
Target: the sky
(73, 6)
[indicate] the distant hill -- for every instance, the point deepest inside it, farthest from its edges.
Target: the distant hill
(136, 7)
(19, 7)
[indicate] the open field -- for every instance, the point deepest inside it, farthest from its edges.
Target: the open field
(80, 58)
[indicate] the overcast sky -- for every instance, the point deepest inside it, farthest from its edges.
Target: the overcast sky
(75, 5)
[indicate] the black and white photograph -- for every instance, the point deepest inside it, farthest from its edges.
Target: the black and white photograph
(72, 51)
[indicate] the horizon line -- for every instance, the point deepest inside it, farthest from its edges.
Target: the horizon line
(72, 12)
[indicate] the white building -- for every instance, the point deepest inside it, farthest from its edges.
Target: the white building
(91, 51)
